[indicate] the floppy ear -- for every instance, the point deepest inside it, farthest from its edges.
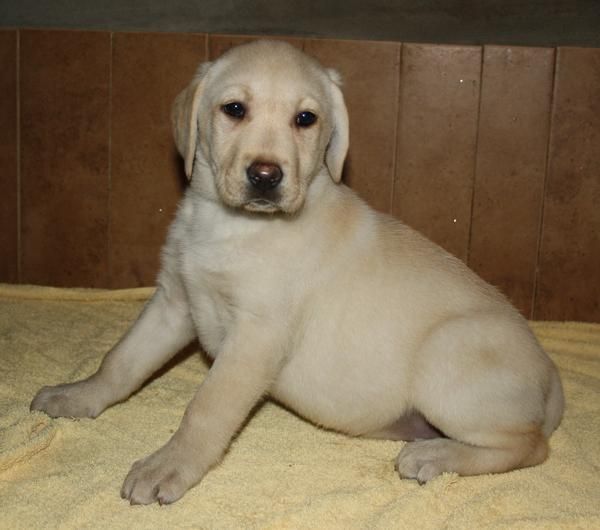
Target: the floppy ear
(184, 118)
(338, 142)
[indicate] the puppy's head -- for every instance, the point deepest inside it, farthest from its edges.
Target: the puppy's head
(259, 123)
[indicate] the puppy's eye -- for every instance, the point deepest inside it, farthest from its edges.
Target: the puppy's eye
(305, 119)
(235, 109)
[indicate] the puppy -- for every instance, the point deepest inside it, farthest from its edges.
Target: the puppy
(299, 291)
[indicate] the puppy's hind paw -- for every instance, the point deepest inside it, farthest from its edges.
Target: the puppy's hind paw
(423, 460)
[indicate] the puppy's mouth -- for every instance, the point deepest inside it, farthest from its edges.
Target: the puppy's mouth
(262, 205)
(263, 201)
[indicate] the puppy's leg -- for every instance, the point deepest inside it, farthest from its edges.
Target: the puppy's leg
(161, 330)
(242, 372)
(485, 384)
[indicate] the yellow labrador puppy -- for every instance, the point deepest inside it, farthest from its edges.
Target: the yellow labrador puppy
(299, 290)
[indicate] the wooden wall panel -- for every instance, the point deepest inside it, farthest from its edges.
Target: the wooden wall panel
(64, 94)
(147, 178)
(8, 158)
(370, 73)
(458, 152)
(437, 131)
(569, 266)
(511, 166)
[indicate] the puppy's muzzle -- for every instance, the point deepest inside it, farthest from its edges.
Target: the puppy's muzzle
(264, 176)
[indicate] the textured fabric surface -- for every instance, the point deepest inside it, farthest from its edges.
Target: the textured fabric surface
(280, 472)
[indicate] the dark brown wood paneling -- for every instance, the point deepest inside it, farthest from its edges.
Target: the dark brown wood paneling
(370, 73)
(72, 208)
(512, 144)
(64, 94)
(437, 130)
(568, 286)
(8, 158)
(147, 178)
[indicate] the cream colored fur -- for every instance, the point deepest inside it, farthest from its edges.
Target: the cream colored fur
(307, 295)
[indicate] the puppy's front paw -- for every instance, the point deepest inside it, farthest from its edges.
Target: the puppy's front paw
(164, 476)
(74, 400)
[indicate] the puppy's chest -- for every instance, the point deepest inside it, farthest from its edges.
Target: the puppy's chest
(221, 279)
(220, 267)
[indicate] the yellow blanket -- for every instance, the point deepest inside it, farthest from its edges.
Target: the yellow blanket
(280, 472)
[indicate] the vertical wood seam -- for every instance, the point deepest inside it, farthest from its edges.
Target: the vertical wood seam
(475, 156)
(536, 280)
(398, 81)
(18, 154)
(109, 261)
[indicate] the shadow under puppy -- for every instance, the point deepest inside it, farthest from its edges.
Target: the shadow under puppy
(299, 290)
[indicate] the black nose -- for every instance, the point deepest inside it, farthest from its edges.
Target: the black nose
(264, 176)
